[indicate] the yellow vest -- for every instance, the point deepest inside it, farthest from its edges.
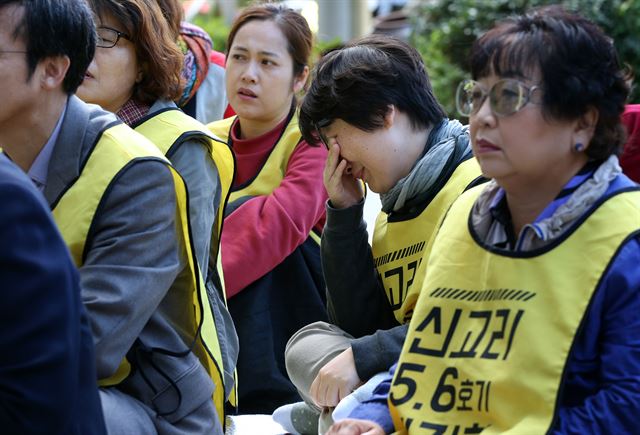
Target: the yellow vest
(170, 127)
(492, 331)
(399, 247)
(272, 172)
(118, 147)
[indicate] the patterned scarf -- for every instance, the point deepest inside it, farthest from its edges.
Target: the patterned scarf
(196, 45)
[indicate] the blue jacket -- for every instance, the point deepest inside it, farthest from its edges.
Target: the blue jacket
(47, 364)
(601, 391)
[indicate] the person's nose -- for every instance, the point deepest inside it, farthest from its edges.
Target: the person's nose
(250, 73)
(485, 116)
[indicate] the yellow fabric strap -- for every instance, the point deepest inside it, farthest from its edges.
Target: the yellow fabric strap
(492, 332)
(75, 210)
(400, 248)
(207, 348)
(274, 169)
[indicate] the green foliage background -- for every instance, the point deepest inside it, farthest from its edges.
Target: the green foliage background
(216, 27)
(444, 30)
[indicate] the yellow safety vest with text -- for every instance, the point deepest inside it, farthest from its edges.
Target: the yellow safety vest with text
(274, 169)
(118, 147)
(492, 330)
(399, 247)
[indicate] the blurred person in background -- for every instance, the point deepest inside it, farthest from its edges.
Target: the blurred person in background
(204, 96)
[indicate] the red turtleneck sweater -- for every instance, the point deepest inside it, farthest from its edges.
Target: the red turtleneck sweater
(263, 231)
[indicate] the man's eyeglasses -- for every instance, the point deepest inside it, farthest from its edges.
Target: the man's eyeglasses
(108, 37)
(506, 97)
(321, 135)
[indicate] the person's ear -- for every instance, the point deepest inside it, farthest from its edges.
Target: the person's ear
(53, 70)
(389, 117)
(584, 128)
(300, 80)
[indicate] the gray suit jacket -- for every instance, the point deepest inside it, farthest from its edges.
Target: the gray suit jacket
(133, 281)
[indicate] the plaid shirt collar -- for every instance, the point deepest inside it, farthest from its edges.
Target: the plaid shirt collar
(132, 112)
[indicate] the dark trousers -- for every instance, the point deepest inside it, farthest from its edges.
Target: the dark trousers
(266, 314)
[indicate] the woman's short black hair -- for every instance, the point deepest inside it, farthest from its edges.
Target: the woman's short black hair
(57, 28)
(358, 83)
(577, 63)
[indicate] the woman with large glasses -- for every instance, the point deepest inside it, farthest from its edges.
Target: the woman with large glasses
(529, 317)
(136, 73)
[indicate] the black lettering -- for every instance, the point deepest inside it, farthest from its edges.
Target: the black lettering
(395, 303)
(438, 429)
(514, 326)
(462, 353)
(445, 392)
(412, 266)
(435, 316)
(407, 381)
(496, 335)
(475, 429)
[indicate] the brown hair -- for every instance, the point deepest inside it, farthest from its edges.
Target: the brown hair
(172, 11)
(293, 26)
(159, 57)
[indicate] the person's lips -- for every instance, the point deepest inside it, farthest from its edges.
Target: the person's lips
(484, 146)
(247, 93)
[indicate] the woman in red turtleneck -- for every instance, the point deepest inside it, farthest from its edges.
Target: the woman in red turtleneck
(270, 244)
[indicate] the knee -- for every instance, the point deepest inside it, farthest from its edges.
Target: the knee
(297, 346)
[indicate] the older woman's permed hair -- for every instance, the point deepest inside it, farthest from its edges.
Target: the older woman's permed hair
(577, 63)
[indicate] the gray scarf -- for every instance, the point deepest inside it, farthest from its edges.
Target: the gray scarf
(445, 139)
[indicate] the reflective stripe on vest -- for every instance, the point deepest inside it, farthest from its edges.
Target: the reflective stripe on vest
(272, 172)
(492, 332)
(77, 208)
(399, 247)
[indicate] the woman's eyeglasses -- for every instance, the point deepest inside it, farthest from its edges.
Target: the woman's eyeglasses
(506, 97)
(108, 37)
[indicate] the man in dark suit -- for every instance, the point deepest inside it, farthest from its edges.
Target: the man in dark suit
(115, 203)
(47, 368)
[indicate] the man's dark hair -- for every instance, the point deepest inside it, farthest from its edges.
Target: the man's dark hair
(52, 28)
(359, 82)
(577, 63)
